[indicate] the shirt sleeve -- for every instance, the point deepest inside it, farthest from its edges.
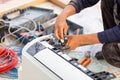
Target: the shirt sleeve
(110, 35)
(81, 4)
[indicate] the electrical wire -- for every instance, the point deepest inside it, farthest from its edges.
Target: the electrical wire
(2, 23)
(2, 39)
(18, 31)
(35, 26)
(8, 59)
(31, 32)
(12, 33)
(2, 27)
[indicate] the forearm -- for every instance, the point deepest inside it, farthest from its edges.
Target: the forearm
(68, 11)
(84, 39)
(82, 4)
(75, 6)
(89, 39)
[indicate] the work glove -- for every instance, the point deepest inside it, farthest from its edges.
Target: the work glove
(61, 27)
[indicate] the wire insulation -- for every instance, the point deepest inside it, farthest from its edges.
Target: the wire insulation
(8, 60)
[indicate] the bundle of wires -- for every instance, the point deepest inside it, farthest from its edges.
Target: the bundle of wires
(8, 60)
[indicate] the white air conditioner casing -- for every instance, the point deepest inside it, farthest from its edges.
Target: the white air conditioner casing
(48, 65)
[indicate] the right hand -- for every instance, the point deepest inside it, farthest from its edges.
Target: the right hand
(61, 27)
(74, 41)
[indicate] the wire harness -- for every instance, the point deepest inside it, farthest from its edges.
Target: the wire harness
(8, 59)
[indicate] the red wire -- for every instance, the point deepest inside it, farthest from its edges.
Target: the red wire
(10, 60)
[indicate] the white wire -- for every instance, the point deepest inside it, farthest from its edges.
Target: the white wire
(32, 32)
(21, 27)
(1, 21)
(13, 33)
(2, 27)
(35, 24)
(18, 26)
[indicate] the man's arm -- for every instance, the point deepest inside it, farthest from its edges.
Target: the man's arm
(110, 35)
(73, 7)
(75, 41)
(81, 4)
(107, 36)
(61, 26)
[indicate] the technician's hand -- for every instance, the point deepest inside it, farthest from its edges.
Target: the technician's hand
(61, 27)
(73, 41)
(84, 39)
